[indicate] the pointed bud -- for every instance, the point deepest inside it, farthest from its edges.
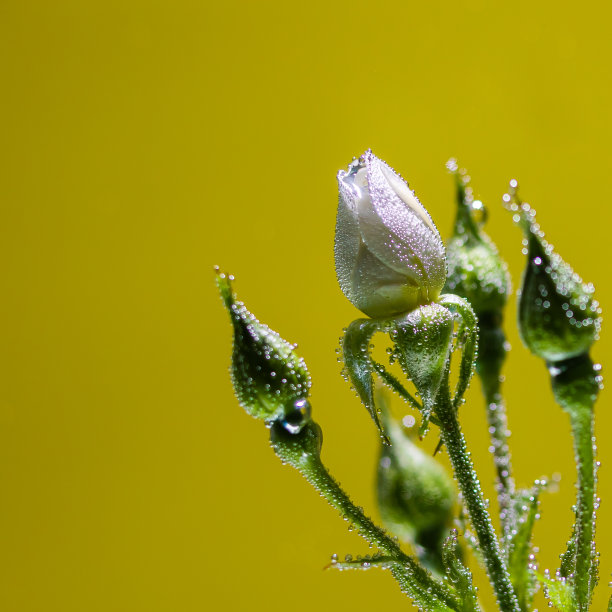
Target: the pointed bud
(558, 316)
(476, 272)
(270, 381)
(415, 496)
(389, 255)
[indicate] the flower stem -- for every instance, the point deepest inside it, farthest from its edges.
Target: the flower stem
(575, 385)
(491, 357)
(299, 451)
(476, 506)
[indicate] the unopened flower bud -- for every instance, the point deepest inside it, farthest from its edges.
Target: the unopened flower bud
(389, 255)
(270, 381)
(415, 496)
(558, 316)
(476, 272)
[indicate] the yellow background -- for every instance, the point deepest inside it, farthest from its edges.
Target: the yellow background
(145, 142)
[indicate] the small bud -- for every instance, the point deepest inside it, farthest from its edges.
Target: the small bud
(476, 272)
(389, 255)
(270, 381)
(558, 316)
(415, 496)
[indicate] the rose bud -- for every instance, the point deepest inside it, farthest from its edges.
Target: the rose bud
(416, 496)
(476, 271)
(558, 316)
(270, 381)
(389, 255)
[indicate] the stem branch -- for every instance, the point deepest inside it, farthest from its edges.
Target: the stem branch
(491, 357)
(414, 579)
(476, 506)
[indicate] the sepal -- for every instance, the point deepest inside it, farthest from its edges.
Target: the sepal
(423, 342)
(359, 366)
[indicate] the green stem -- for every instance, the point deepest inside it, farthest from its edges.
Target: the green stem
(575, 385)
(302, 452)
(476, 506)
(582, 430)
(491, 357)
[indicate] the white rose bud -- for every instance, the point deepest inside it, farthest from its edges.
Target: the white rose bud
(390, 258)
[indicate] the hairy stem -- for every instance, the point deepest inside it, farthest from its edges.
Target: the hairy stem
(491, 357)
(413, 578)
(476, 506)
(575, 385)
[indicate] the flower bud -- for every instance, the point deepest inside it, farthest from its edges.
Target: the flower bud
(389, 255)
(558, 316)
(270, 381)
(415, 496)
(476, 272)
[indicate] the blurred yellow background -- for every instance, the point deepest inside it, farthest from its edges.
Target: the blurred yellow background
(145, 142)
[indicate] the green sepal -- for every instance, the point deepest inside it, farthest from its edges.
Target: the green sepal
(415, 496)
(476, 271)
(395, 385)
(362, 563)
(270, 381)
(559, 592)
(423, 341)
(557, 314)
(300, 449)
(467, 339)
(575, 383)
(359, 366)
(458, 574)
(518, 548)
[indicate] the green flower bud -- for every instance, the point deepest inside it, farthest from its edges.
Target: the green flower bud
(270, 381)
(475, 269)
(415, 496)
(558, 316)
